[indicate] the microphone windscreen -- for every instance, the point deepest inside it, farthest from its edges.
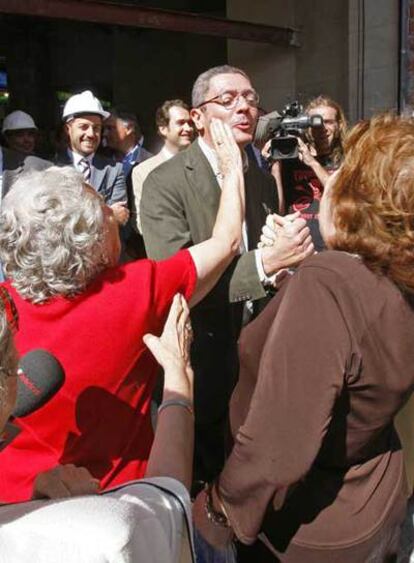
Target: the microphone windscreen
(39, 378)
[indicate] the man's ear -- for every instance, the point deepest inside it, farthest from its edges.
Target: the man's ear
(66, 129)
(162, 131)
(199, 118)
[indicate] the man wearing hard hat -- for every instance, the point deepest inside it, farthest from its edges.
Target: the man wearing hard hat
(83, 116)
(20, 132)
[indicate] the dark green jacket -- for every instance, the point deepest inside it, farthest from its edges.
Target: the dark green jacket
(179, 205)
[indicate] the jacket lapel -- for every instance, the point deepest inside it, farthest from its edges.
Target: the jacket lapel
(98, 172)
(201, 178)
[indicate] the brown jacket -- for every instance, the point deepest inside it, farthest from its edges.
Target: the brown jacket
(324, 369)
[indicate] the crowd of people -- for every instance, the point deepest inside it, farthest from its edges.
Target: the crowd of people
(278, 399)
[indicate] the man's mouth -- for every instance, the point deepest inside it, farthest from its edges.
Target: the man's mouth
(242, 125)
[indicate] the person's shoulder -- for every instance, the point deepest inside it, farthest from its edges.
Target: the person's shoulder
(37, 163)
(148, 165)
(102, 161)
(171, 171)
(13, 159)
(332, 260)
(339, 269)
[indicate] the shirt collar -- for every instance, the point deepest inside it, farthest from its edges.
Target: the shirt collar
(166, 153)
(76, 157)
(133, 153)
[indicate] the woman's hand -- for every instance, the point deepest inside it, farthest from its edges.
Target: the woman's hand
(64, 481)
(228, 153)
(217, 536)
(172, 348)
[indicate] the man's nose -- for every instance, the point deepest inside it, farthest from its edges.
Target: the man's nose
(188, 127)
(242, 104)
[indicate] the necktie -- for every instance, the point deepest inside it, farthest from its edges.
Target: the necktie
(85, 168)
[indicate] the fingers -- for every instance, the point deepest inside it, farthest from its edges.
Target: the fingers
(48, 485)
(65, 481)
(218, 132)
(78, 480)
(228, 152)
(154, 344)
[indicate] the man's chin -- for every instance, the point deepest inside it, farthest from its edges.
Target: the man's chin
(87, 151)
(242, 138)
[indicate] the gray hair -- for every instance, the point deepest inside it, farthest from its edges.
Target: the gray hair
(8, 356)
(202, 84)
(52, 239)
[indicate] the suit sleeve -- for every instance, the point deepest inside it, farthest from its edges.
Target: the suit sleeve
(164, 226)
(119, 190)
(245, 283)
(300, 377)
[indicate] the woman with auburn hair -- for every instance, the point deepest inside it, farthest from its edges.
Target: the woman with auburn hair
(316, 471)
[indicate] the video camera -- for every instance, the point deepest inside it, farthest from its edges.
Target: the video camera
(284, 129)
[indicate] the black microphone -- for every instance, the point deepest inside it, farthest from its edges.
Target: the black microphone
(39, 378)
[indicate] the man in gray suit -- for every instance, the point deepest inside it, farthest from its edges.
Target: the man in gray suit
(178, 208)
(83, 116)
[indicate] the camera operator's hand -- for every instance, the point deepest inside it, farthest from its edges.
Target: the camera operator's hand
(307, 155)
(285, 242)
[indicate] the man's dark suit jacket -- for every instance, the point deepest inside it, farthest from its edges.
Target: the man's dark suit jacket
(107, 177)
(16, 163)
(179, 205)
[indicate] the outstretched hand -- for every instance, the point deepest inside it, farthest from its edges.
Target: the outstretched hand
(228, 153)
(172, 348)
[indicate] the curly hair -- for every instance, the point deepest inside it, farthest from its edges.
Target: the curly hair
(52, 239)
(372, 197)
(338, 142)
(8, 356)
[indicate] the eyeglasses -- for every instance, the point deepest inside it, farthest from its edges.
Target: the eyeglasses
(229, 100)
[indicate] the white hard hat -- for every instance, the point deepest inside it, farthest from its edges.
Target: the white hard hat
(18, 120)
(85, 102)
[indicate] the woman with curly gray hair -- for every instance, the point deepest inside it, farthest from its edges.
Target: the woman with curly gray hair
(59, 245)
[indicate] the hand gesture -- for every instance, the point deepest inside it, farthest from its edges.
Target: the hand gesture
(228, 153)
(172, 348)
(285, 242)
(305, 153)
(121, 212)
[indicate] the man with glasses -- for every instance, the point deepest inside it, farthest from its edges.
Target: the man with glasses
(178, 208)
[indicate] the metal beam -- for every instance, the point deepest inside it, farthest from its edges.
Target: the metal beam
(112, 13)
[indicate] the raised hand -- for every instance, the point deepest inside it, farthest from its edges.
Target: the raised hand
(228, 153)
(172, 348)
